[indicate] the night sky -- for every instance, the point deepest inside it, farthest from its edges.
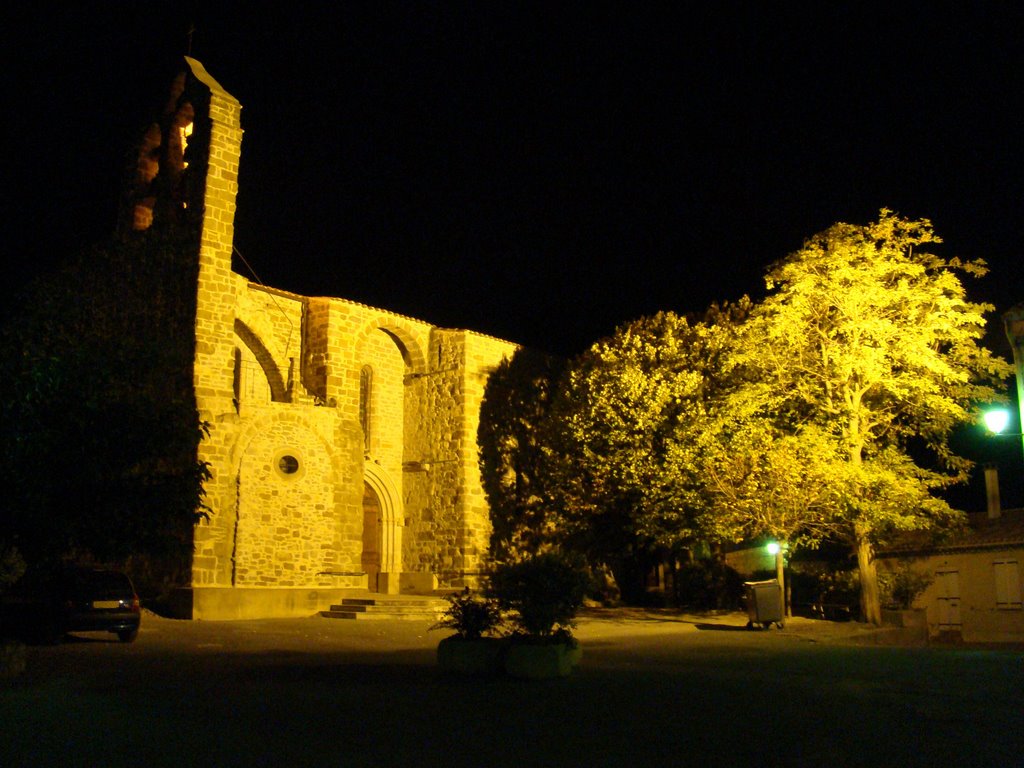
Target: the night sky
(542, 172)
(538, 172)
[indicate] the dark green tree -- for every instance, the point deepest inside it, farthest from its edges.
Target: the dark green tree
(98, 425)
(512, 434)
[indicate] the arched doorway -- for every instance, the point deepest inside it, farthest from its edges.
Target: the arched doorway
(370, 558)
(381, 557)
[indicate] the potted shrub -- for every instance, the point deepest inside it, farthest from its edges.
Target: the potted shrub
(542, 594)
(900, 589)
(471, 650)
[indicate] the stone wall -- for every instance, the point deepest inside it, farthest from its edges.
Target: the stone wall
(448, 518)
(297, 522)
(277, 379)
(483, 355)
(382, 359)
(316, 322)
(432, 501)
(214, 366)
(275, 319)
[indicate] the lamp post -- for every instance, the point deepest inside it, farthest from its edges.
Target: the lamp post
(997, 419)
(778, 550)
(1013, 321)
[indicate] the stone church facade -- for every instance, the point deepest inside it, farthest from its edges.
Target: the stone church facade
(342, 440)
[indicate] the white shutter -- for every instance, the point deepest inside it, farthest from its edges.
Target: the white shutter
(1007, 576)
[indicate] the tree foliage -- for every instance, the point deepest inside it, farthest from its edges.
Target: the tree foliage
(868, 343)
(511, 435)
(99, 426)
(623, 428)
(767, 483)
(544, 592)
(823, 413)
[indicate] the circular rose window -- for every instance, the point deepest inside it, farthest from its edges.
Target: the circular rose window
(287, 465)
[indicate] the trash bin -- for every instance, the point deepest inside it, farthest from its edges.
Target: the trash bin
(764, 603)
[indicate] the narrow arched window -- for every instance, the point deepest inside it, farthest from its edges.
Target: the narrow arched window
(365, 392)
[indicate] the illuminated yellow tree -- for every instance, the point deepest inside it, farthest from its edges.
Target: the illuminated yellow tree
(763, 482)
(624, 476)
(870, 339)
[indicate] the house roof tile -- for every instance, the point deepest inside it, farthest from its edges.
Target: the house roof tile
(982, 532)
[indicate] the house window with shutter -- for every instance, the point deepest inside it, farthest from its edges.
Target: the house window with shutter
(1007, 576)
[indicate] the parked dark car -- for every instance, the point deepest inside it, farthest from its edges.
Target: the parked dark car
(44, 607)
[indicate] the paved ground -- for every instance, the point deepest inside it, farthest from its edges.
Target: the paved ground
(654, 689)
(797, 628)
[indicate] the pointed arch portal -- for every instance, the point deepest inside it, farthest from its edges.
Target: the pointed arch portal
(382, 530)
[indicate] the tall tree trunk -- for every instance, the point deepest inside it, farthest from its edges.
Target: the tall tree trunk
(870, 603)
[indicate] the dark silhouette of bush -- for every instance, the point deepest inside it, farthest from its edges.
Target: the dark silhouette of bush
(707, 585)
(544, 592)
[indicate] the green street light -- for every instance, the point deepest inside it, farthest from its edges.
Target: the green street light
(996, 420)
(777, 550)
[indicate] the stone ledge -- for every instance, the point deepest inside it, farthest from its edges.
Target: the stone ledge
(229, 603)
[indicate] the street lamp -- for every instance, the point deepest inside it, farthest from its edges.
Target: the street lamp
(996, 420)
(1013, 323)
(778, 550)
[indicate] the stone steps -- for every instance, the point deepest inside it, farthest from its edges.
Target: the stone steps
(387, 608)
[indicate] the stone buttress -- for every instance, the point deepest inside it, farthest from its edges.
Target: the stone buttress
(342, 438)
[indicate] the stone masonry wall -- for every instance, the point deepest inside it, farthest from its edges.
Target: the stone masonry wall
(379, 353)
(286, 493)
(448, 525)
(315, 329)
(276, 318)
(482, 355)
(432, 526)
(295, 529)
(214, 361)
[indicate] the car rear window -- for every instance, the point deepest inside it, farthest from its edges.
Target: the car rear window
(106, 581)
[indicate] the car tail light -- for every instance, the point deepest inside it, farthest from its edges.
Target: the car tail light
(136, 606)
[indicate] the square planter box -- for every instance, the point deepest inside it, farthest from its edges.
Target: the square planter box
(540, 661)
(465, 656)
(908, 617)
